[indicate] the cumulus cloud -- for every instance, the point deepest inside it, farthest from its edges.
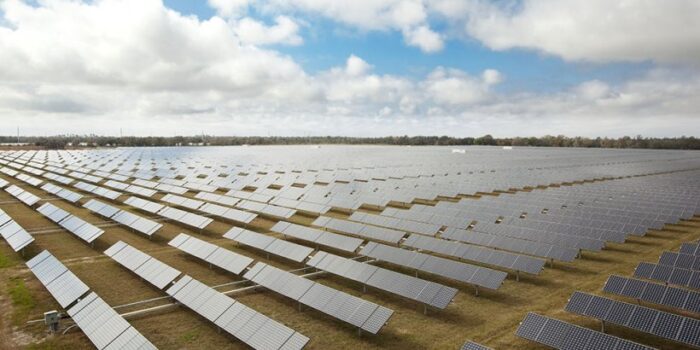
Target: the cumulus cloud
(410, 17)
(134, 64)
(253, 32)
(593, 30)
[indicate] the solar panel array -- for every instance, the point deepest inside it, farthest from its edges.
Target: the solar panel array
(16, 236)
(133, 221)
(178, 215)
(470, 345)
(462, 272)
(150, 269)
(359, 229)
(680, 260)
(668, 274)
(215, 255)
(514, 231)
(475, 253)
(682, 329)
(61, 192)
(660, 294)
(426, 292)
(104, 327)
(97, 190)
(244, 323)
(100, 323)
(23, 196)
(272, 245)
(363, 314)
(63, 285)
(77, 226)
(563, 335)
(328, 239)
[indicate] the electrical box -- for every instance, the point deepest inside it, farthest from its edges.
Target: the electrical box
(51, 319)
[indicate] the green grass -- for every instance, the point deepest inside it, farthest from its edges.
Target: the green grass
(4, 261)
(22, 299)
(190, 336)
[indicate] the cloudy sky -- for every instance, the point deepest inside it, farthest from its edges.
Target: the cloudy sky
(350, 67)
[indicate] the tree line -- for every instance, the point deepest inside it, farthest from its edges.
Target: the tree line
(68, 141)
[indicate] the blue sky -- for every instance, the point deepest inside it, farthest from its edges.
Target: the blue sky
(351, 67)
(328, 44)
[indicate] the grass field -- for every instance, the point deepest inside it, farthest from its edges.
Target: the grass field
(490, 318)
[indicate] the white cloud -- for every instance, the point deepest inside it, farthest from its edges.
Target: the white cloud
(410, 17)
(100, 66)
(424, 38)
(593, 30)
(456, 88)
(229, 8)
(252, 32)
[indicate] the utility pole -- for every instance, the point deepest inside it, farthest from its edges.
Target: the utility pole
(18, 135)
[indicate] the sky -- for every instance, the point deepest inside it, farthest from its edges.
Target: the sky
(350, 67)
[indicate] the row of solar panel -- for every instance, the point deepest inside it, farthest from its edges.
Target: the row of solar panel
(244, 323)
(133, 221)
(329, 239)
(426, 292)
(478, 276)
(213, 209)
(478, 254)
(79, 227)
(563, 335)
(663, 324)
(211, 253)
(16, 236)
(268, 244)
(101, 324)
(363, 314)
(359, 229)
(23, 196)
(668, 274)
(181, 216)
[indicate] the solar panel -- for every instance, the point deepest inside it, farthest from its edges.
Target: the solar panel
(680, 260)
(105, 328)
(690, 248)
(678, 298)
(359, 229)
(142, 264)
(470, 345)
(100, 191)
(462, 272)
(143, 204)
(228, 213)
(62, 192)
(328, 239)
(272, 245)
(185, 217)
(22, 195)
(475, 253)
(663, 324)
(79, 227)
(345, 307)
(668, 274)
(63, 285)
(53, 212)
(133, 221)
(16, 236)
(513, 244)
(244, 323)
(426, 292)
(217, 256)
(563, 335)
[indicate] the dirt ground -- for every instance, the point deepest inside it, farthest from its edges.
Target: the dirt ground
(490, 318)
